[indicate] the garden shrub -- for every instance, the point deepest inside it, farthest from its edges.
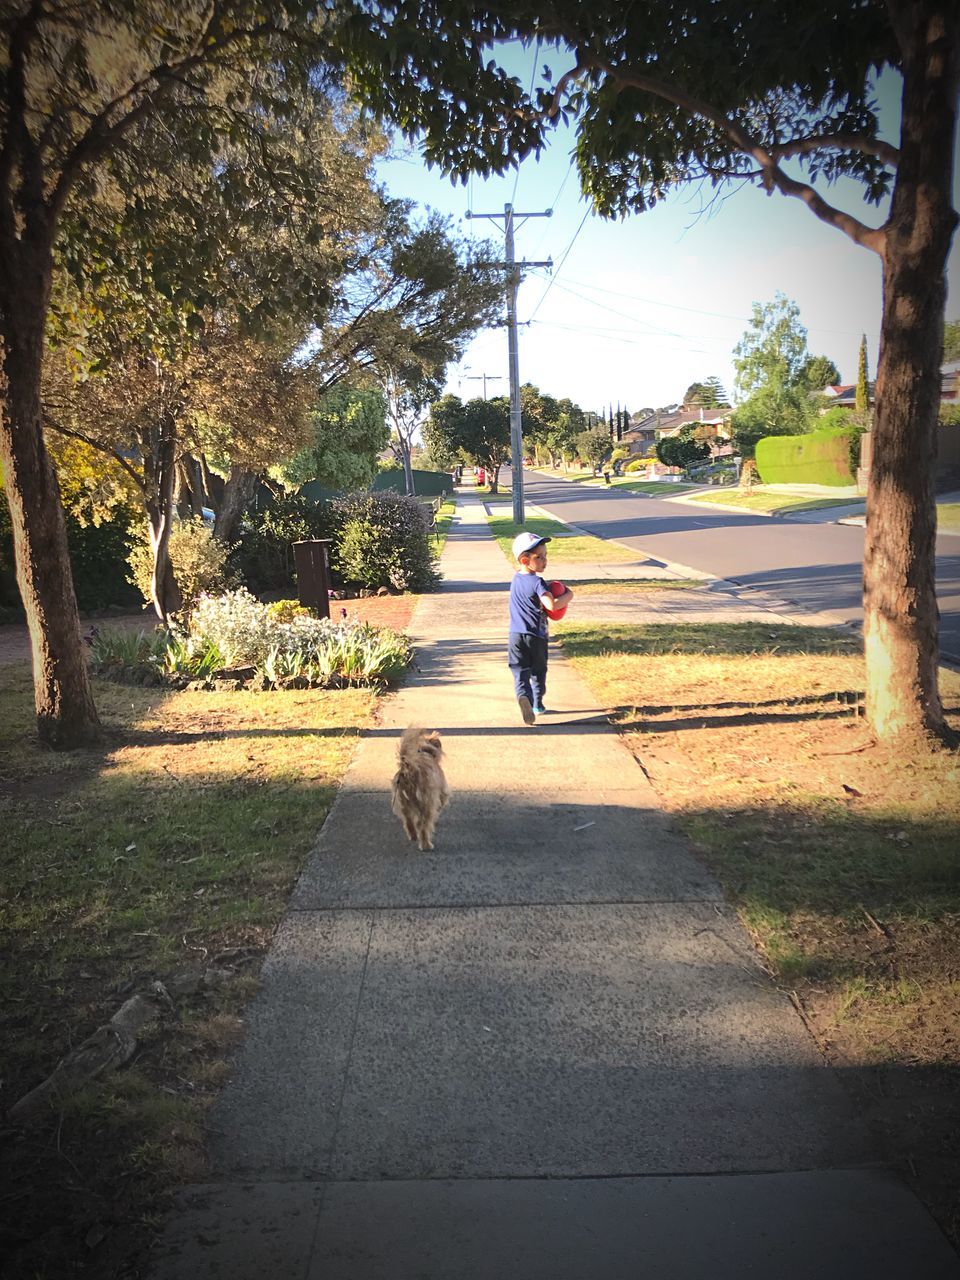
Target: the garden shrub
(98, 559)
(263, 556)
(384, 541)
(235, 631)
(637, 464)
(819, 457)
(199, 561)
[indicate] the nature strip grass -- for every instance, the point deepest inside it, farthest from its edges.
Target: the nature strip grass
(779, 502)
(569, 547)
(840, 854)
(652, 488)
(442, 527)
(948, 517)
(176, 843)
(627, 586)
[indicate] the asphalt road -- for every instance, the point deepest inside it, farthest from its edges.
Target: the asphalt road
(815, 568)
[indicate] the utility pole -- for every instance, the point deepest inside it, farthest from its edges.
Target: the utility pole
(484, 378)
(513, 270)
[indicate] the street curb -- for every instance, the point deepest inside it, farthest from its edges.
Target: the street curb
(784, 609)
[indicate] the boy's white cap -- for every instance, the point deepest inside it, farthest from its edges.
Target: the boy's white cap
(526, 542)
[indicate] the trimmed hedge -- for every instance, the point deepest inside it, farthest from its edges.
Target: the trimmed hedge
(820, 457)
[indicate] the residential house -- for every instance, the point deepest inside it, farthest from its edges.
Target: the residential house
(643, 434)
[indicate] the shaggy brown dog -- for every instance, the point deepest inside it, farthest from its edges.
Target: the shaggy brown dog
(419, 788)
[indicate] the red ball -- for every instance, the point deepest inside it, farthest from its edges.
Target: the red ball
(556, 588)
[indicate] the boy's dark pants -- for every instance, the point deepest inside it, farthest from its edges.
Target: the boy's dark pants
(527, 658)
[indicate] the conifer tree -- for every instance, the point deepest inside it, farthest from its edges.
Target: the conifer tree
(863, 386)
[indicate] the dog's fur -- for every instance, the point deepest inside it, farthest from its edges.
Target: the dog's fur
(419, 788)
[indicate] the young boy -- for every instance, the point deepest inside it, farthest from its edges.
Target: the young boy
(527, 654)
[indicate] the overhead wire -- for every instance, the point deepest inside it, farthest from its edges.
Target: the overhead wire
(559, 266)
(675, 306)
(533, 76)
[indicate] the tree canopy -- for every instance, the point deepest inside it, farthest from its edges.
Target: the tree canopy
(350, 430)
(478, 429)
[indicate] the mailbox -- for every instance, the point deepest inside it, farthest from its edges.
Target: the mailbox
(311, 559)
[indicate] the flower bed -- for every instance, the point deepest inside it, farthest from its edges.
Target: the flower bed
(232, 641)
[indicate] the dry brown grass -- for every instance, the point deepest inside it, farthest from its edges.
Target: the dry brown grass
(841, 854)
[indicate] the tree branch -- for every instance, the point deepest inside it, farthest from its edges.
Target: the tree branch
(885, 151)
(102, 134)
(96, 444)
(773, 176)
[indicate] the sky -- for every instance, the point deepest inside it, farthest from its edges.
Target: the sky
(636, 310)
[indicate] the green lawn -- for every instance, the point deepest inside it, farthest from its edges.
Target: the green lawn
(569, 547)
(948, 516)
(765, 500)
(654, 488)
(753, 737)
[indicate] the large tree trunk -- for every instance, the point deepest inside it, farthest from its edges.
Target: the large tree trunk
(900, 608)
(407, 469)
(66, 715)
(159, 468)
(237, 492)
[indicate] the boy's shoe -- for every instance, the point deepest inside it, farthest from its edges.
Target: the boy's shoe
(526, 709)
(541, 710)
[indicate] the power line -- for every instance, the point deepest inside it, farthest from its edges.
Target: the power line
(601, 306)
(559, 267)
(697, 311)
(609, 335)
(533, 76)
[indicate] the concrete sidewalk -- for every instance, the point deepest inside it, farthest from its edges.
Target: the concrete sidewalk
(544, 1051)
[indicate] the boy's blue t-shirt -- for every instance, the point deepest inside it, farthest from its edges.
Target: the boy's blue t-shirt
(526, 616)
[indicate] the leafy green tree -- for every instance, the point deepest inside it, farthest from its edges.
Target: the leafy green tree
(349, 430)
(683, 449)
(78, 85)
(772, 410)
(773, 349)
(715, 397)
(778, 375)
(561, 440)
(661, 95)
(594, 444)
(709, 393)
(479, 430)
(951, 340)
(819, 372)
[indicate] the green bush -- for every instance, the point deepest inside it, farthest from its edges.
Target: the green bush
(637, 464)
(819, 457)
(384, 541)
(199, 561)
(263, 556)
(98, 558)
